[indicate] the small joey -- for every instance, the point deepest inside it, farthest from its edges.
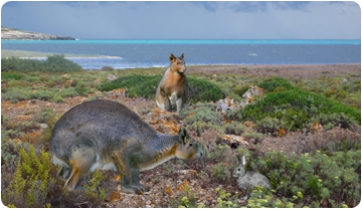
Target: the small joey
(247, 180)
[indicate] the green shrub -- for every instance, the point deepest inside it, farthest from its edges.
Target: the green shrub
(276, 84)
(203, 90)
(11, 76)
(19, 93)
(234, 128)
(107, 68)
(269, 125)
(92, 190)
(136, 85)
(221, 171)
(55, 63)
(205, 113)
(29, 186)
(294, 108)
(330, 121)
(316, 177)
(146, 86)
(9, 152)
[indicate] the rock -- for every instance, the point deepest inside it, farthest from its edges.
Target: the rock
(43, 125)
(111, 77)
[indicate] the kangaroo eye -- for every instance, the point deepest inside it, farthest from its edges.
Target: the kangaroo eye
(190, 145)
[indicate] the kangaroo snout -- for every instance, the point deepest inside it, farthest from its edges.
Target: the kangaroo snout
(200, 153)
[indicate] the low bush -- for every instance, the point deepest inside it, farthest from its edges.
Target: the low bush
(312, 180)
(269, 125)
(55, 63)
(20, 93)
(107, 68)
(29, 186)
(11, 76)
(203, 90)
(294, 108)
(276, 84)
(146, 86)
(205, 113)
(136, 85)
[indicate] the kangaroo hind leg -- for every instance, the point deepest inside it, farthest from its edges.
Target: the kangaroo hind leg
(81, 162)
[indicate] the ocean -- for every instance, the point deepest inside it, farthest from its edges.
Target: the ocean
(122, 54)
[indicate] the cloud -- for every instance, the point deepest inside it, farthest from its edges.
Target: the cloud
(187, 20)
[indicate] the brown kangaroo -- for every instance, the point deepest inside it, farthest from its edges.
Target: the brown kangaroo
(106, 135)
(173, 91)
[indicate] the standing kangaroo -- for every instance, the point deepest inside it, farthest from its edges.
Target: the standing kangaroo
(173, 91)
(106, 135)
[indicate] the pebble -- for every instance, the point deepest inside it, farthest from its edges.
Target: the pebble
(148, 206)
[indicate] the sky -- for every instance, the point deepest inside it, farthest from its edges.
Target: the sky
(187, 19)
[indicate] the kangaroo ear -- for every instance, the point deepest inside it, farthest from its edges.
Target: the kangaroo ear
(182, 56)
(182, 134)
(172, 57)
(243, 160)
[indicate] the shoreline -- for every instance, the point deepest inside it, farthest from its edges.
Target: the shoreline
(290, 71)
(24, 54)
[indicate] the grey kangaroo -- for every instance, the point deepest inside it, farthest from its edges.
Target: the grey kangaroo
(106, 135)
(173, 91)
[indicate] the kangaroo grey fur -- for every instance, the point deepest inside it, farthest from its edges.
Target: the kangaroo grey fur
(247, 180)
(103, 134)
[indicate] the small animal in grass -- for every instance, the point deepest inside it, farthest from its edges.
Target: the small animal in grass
(173, 91)
(247, 180)
(106, 135)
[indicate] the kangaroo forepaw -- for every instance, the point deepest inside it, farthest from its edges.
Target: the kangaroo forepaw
(140, 189)
(135, 189)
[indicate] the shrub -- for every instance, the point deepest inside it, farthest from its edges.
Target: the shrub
(136, 85)
(294, 107)
(276, 84)
(221, 171)
(107, 68)
(319, 177)
(29, 187)
(11, 76)
(269, 125)
(205, 113)
(146, 86)
(55, 63)
(203, 90)
(330, 121)
(234, 128)
(9, 153)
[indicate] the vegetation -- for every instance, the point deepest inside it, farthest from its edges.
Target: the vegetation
(146, 86)
(324, 174)
(290, 108)
(55, 63)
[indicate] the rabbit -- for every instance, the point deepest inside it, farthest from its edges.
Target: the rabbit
(247, 180)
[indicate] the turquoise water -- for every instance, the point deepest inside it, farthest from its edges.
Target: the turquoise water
(122, 54)
(256, 41)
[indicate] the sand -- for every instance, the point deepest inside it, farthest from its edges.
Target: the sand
(286, 71)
